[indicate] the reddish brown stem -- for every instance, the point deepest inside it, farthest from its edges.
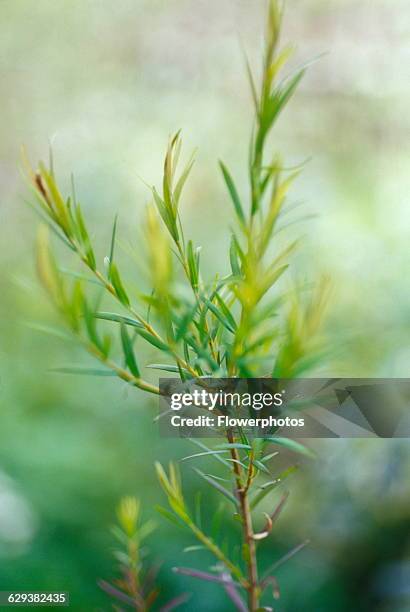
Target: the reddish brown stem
(247, 526)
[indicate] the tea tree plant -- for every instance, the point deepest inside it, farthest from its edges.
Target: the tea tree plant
(136, 588)
(239, 324)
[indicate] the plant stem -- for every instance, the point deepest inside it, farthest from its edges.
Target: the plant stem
(218, 553)
(148, 327)
(247, 526)
(121, 373)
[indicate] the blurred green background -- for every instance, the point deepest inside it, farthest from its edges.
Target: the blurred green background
(106, 83)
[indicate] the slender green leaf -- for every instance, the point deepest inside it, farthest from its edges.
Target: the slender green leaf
(236, 445)
(234, 259)
(270, 456)
(182, 179)
(169, 516)
(258, 464)
(112, 316)
(153, 340)
(206, 448)
(233, 193)
(220, 316)
(225, 310)
(167, 215)
(194, 548)
(118, 286)
(265, 489)
(192, 265)
(129, 352)
(292, 445)
(272, 277)
(215, 484)
(210, 452)
(58, 201)
(78, 370)
(112, 245)
(175, 369)
(290, 88)
(90, 325)
(85, 239)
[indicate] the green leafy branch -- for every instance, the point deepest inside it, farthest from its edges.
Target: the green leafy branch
(136, 588)
(248, 466)
(236, 324)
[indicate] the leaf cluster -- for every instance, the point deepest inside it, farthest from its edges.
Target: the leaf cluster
(238, 324)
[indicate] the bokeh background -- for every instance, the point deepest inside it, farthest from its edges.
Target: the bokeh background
(107, 83)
